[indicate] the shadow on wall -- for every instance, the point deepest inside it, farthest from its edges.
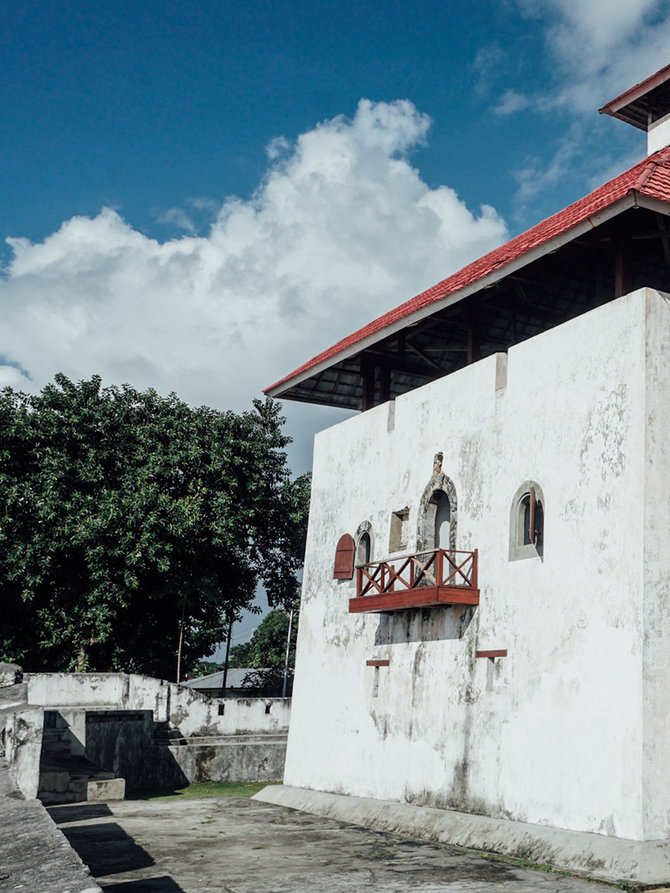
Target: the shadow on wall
(424, 625)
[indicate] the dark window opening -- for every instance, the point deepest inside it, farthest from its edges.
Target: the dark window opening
(527, 522)
(363, 549)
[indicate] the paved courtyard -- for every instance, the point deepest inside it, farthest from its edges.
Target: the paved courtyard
(244, 846)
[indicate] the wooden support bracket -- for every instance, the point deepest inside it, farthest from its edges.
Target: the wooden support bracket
(501, 652)
(377, 663)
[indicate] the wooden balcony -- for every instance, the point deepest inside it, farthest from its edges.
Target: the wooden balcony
(421, 580)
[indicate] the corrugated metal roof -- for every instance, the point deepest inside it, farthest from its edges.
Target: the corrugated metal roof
(235, 679)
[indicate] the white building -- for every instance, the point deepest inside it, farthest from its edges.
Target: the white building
(502, 647)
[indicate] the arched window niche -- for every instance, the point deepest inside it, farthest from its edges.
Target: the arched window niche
(438, 511)
(526, 523)
(363, 540)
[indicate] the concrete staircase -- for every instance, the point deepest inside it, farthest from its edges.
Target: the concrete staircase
(166, 736)
(67, 777)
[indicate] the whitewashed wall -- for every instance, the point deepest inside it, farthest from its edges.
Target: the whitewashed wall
(191, 712)
(571, 729)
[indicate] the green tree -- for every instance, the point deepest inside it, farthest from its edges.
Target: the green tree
(126, 517)
(240, 655)
(267, 646)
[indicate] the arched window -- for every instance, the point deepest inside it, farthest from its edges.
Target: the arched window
(438, 512)
(442, 519)
(527, 522)
(363, 540)
(363, 549)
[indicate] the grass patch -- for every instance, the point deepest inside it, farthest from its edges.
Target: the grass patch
(199, 790)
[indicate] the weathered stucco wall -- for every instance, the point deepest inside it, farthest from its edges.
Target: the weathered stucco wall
(241, 758)
(571, 728)
(22, 744)
(185, 709)
(656, 570)
(118, 741)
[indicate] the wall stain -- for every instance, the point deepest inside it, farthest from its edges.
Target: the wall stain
(603, 444)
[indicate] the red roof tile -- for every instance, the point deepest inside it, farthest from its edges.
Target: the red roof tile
(650, 177)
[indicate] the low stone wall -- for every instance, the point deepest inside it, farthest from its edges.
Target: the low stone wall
(34, 854)
(240, 758)
(193, 714)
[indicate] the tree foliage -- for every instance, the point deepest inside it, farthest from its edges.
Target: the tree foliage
(124, 515)
(267, 646)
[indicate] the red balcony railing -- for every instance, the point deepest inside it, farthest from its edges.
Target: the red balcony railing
(420, 580)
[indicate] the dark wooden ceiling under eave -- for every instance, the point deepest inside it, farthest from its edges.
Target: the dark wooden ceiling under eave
(626, 252)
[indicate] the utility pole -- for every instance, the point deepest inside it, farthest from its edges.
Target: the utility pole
(225, 663)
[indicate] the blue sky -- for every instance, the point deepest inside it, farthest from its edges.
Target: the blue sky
(144, 107)
(200, 196)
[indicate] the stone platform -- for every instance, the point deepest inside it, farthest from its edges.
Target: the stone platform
(612, 859)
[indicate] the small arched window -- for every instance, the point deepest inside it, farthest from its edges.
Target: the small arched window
(527, 522)
(442, 519)
(363, 550)
(363, 540)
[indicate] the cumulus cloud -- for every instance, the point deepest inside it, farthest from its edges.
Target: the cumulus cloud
(341, 229)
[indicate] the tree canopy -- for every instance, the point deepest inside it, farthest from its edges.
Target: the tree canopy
(126, 515)
(267, 646)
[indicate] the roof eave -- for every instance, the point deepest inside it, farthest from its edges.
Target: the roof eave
(614, 106)
(599, 217)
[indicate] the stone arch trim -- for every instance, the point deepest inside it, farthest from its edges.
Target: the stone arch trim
(425, 536)
(364, 527)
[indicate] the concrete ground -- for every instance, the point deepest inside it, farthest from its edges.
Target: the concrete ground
(245, 846)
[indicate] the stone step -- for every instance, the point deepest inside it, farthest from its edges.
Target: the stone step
(167, 736)
(71, 779)
(89, 789)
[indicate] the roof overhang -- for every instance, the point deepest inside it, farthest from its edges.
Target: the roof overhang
(644, 103)
(352, 347)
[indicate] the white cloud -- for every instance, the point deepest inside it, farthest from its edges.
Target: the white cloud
(593, 50)
(178, 217)
(341, 229)
(600, 48)
(511, 102)
(489, 60)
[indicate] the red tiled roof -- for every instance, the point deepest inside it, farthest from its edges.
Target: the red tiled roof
(650, 177)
